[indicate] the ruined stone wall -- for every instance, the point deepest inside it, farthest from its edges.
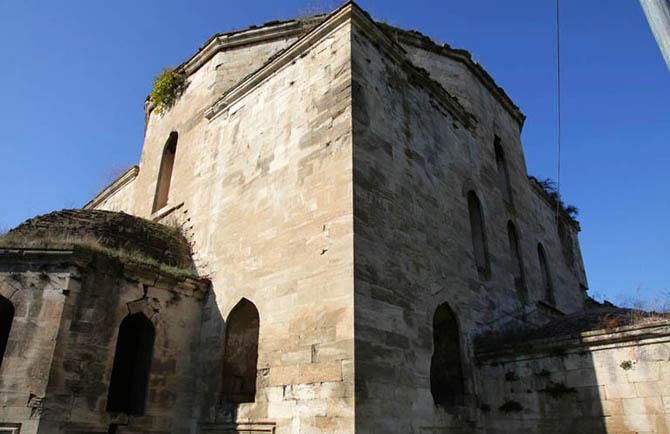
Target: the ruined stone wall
(38, 294)
(607, 381)
(112, 230)
(414, 162)
(533, 216)
(64, 335)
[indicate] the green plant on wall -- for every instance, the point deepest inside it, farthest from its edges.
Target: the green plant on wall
(168, 85)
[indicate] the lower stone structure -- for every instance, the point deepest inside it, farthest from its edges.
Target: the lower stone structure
(67, 303)
(613, 380)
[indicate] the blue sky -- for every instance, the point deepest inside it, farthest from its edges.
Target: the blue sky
(76, 73)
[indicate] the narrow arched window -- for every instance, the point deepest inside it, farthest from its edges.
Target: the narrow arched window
(503, 172)
(478, 234)
(446, 374)
(165, 172)
(566, 242)
(546, 276)
(6, 318)
(515, 258)
(132, 365)
(240, 354)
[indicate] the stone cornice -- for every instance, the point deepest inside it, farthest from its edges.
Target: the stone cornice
(116, 185)
(268, 32)
(416, 75)
(638, 334)
(265, 33)
(81, 257)
(347, 12)
(421, 41)
(252, 81)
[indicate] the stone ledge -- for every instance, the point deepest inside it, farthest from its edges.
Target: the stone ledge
(418, 40)
(251, 427)
(635, 335)
(116, 185)
(248, 84)
(82, 257)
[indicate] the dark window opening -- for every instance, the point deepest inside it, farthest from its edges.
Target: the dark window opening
(478, 233)
(165, 173)
(132, 365)
(6, 318)
(446, 374)
(503, 172)
(546, 276)
(240, 354)
(515, 256)
(566, 243)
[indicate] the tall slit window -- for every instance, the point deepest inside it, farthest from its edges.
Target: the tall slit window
(446, 374)
(6, 318)
(515, 256)
(478, 234)
(132, 365)
(503, 172)
(240, 354)
(165, 172)
(546, 276)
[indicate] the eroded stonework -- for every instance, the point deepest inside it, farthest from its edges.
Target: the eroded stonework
(355, 202)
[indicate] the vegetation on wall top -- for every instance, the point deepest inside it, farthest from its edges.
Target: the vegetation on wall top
(549, 187)
(168, 86)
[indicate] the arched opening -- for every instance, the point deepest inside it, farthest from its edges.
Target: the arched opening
(515, 257)
(240, 354)
(478, 233)
(546, 276)
(165, 172)
(446, 374)
(6, 318)
(503, 172)
(132, 365)
(566, 243)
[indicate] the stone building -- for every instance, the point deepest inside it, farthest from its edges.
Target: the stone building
(361, 231)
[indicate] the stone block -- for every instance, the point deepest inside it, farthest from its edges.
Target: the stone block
(312, 408)
(641, 406)
(612, 407)
(581, 377)
(305, 374)
(649, 388)
(620, 390)
(332, 390)
(643, 371)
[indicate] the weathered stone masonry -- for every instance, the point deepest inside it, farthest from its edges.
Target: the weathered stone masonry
(356, 203)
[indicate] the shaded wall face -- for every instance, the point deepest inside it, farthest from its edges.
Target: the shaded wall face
(570, 386)
(414, 164)
(534, 218)
(413, 247)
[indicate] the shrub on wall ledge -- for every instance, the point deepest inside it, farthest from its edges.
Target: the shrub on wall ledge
(168, 86)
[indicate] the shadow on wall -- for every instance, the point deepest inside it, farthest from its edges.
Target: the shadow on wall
(230, 356)
(544, 393)
(600, 370)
